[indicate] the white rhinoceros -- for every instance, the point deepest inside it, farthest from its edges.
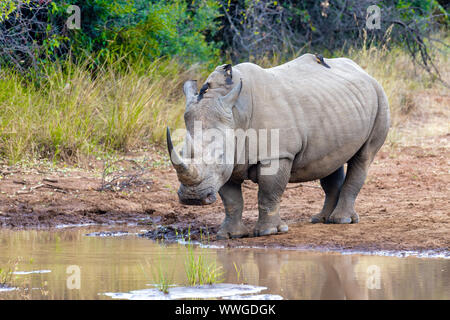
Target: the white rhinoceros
(325, 113)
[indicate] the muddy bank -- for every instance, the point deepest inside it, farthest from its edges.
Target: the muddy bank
(404, 205)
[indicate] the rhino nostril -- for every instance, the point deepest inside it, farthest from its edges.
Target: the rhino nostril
(210, 198)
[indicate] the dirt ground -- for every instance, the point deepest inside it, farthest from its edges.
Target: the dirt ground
(404, 205)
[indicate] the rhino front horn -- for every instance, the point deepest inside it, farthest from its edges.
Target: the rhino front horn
(187, 174)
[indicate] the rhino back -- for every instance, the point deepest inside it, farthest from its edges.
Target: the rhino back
(324, 115)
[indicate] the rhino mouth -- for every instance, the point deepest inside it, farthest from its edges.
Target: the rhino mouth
(209, 199)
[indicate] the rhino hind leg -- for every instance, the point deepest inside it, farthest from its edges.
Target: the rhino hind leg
(358, 166)
(270, 191)
(354, 180)
(232, 226)
(331, 185)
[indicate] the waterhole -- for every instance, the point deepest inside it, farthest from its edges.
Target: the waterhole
(109, 263)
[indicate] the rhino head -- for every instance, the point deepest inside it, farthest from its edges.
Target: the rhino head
(204, 164)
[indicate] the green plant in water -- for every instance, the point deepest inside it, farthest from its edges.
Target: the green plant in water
(238, 272)
(162, 279)
(159, 275)
(199, 270)
(6, 273)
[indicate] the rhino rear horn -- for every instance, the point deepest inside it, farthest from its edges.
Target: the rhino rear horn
(190, 89)
(230, 99)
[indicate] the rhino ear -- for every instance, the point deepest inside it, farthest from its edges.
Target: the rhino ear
(190, 89)
(228, 74)
(230, 99)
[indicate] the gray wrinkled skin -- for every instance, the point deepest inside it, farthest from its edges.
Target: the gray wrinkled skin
(326, 117)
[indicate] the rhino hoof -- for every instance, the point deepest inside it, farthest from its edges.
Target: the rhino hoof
(227, 235)
(340, 220)
(318, 219)
(266, 232)
(239, 231)
(272, 230)
(222, 236)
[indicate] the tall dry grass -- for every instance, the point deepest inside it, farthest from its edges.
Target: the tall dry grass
(73, 113)
(404, 81)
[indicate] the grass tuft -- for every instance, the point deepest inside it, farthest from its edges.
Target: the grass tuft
(7, 273)
(199, 269)
(162, 279)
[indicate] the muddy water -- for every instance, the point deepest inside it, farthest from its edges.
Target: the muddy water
(68, 264)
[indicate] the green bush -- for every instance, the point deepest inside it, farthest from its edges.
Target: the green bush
(144, 29)
(110, 29)
(172, 28)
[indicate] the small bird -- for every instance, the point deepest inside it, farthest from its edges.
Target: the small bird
(203, 90)
(319, 59)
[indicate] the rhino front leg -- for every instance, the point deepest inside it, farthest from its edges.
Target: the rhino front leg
(271, 188)
(232, 226)
(331, 185)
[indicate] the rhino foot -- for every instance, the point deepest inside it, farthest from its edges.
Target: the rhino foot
(343, 217)
(232, 230)
(265, 229)
(319, 218)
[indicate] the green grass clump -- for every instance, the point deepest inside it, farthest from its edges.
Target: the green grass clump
(161, 278)
(199, 269)
(6, 273)
(163, 281)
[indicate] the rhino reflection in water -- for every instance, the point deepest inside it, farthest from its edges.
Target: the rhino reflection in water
(325, 117)
(296, 276)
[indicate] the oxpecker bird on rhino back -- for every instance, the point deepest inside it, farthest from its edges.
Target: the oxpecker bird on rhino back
(323, 117)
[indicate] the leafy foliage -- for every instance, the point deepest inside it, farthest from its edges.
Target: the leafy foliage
(26, 37)
(172, 29)
(256, 28)
(35, 32)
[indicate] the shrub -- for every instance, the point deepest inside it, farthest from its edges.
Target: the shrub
(172, 29)
(26, 36)
(254, 29)
(34, 32)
